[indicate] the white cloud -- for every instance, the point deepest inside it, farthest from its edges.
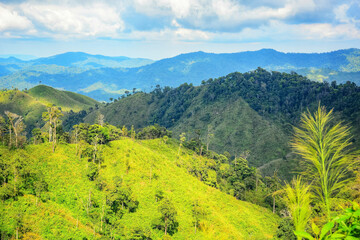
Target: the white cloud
(10, 20)
(77, 20)
(185, 20)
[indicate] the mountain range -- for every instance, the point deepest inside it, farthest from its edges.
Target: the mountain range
(102, 77)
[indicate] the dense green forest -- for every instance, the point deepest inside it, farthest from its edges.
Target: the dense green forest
(206, 162)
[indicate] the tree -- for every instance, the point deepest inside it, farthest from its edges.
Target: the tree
(168, 215)
(132, 132)
(100, 119)
(52, 116)
(324, 146)
(11, 117)
(297, 197)
(16, 124)
(96, 137)
(124, 131)
(182, 140)
(2, 127)
(36, 133)
(19, 127)
(209, 136)
(198, 213)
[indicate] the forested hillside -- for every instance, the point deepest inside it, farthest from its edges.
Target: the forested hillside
(253, 111)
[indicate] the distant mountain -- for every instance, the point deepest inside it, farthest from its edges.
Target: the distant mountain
(68, 71)
(84, 60)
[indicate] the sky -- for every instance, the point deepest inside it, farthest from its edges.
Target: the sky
(158, 29)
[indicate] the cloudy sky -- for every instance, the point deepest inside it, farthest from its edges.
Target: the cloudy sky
(164, 28)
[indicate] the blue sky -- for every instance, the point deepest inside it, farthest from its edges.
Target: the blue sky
(163, 28)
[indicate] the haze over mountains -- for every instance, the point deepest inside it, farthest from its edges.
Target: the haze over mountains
(102, 77)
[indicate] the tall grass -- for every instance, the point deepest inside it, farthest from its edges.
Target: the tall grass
(297, 197)
(325, 148)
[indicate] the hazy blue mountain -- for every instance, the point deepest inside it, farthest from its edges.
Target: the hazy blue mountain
(83, 73)
(77, 61)
(80, 59)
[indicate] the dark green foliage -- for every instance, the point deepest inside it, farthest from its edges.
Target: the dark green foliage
(167, 222)
(152, 132)
(286, 230)
(121, 200)
(92, 171)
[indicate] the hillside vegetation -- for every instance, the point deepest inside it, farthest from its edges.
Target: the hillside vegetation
(32, 103)
(62, 196)
(64, 99)
(254, 111)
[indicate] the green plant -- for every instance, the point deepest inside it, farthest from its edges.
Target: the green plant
(345, 226)
(324, 146)
(297, 197)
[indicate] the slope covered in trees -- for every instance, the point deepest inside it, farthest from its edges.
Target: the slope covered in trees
(254, 111)
(124, 194)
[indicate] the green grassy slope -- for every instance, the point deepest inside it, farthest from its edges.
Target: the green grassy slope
(23, 104)
(32, 103)
(69, 187)
(66, 100)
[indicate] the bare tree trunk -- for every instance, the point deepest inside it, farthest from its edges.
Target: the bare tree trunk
(15, 177)
(10, 136)
(16, 138)
(50, 131)
(54, 135)
(94, 153)
(273, 204)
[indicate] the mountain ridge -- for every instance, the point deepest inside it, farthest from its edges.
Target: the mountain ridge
(340, 66)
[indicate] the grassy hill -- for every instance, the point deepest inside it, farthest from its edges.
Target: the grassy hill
(75, 205)
(32, 103)
(64, 99)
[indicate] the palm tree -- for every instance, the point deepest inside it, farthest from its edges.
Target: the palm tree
(324, 147)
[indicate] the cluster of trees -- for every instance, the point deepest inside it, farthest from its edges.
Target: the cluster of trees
(232, 175)
(284, 96)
